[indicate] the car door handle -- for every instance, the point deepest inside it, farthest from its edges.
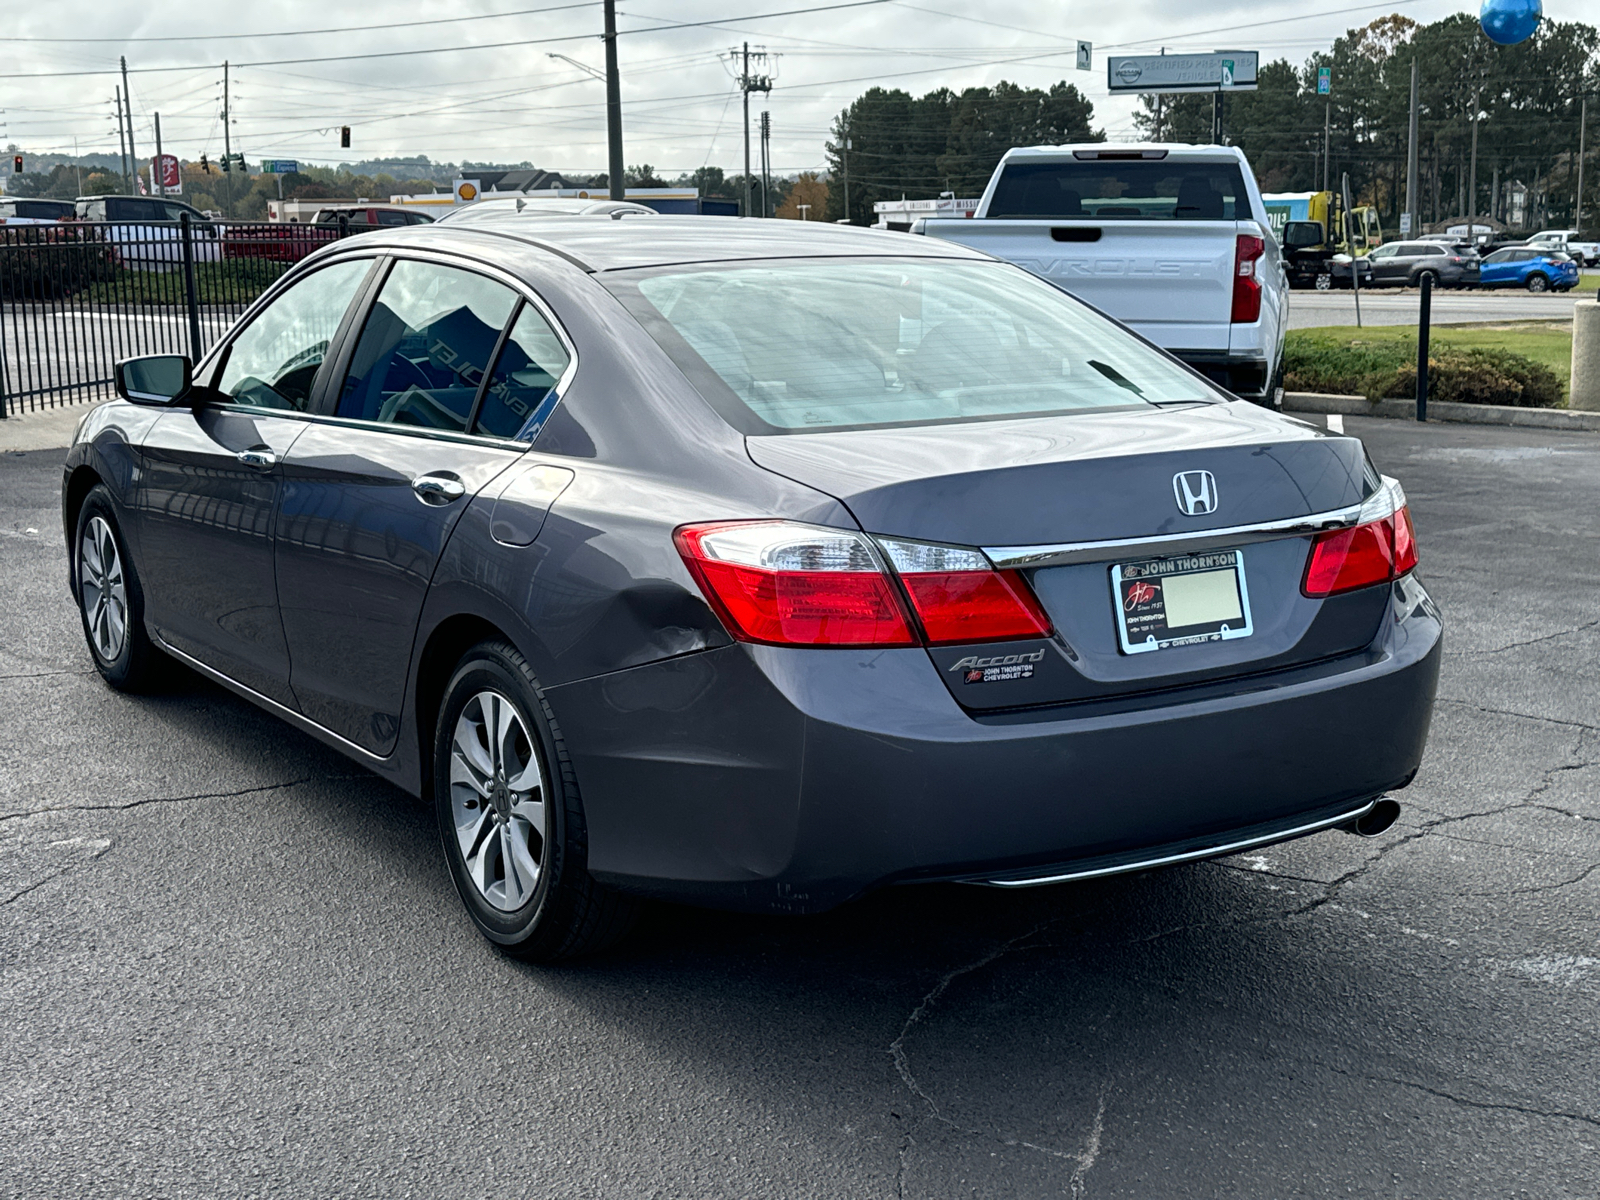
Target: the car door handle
(438, 488)
(261, 460)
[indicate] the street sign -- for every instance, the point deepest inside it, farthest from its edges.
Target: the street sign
(280, 166)
(165, 168)
(1324, 81)
(1224, 71)
(1405, 224)
(1085, 56)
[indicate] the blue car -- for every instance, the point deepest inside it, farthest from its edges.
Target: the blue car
(1528, 267)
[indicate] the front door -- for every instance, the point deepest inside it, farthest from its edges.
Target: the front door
(208, 488)
(372, 493)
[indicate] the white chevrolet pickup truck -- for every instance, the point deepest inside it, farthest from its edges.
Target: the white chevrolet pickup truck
(1172, 240)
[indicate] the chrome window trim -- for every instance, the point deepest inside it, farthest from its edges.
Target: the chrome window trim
(1386, 500)
(522, 289)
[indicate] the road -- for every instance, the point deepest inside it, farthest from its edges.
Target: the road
(234, 964)
(1398, 306)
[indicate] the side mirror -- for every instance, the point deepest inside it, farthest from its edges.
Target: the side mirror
(154, 378)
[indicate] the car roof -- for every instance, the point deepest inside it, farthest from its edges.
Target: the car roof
(609, 245)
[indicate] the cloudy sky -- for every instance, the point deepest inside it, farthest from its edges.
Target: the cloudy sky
(474, 79)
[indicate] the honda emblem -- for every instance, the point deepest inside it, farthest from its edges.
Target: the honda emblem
(1196, 492)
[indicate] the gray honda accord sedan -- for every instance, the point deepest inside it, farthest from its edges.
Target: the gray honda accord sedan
(758, 565)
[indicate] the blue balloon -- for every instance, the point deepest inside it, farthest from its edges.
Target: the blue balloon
(1508, 22)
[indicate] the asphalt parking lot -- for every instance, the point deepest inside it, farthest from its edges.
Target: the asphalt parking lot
(231, 963)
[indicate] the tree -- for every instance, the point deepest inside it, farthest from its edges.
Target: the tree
(642, 176)
(900, 145)
(811, 190)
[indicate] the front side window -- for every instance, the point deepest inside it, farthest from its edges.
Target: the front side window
(425, 347)
(799, 345)
(386, 217)
(274, 362)
(1110, 190)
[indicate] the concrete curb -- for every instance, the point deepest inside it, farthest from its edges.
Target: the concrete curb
(1470, 414)
(45, 428)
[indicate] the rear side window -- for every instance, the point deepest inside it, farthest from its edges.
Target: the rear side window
(525, 375)
(1121, 191)
(43, 210)
(425, 347)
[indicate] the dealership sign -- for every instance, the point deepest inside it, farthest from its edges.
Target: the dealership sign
(1223, 71)
(165, 168)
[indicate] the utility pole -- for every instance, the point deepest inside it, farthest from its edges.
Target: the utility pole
(1583, 128)
(744, 86)
(227, 145)
(750, 83)
(155, 168)
(127, 96)
(1411, 160)
(1472, 176)
(614, 172)
(122, 144)
(766, 142)
(847, 176)
(1327, 116)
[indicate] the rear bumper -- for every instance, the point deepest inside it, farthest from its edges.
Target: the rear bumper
(1242, 375)
(775, 779)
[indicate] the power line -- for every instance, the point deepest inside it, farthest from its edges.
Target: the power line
(226, 37)
(549, 41)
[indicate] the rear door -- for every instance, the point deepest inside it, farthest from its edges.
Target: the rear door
(449, 366)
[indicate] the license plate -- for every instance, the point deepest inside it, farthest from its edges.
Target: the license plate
(1166, 602)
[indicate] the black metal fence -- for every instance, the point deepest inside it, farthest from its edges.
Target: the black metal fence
(77, 296)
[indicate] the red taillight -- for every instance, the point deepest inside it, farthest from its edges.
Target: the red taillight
(1373, 552)
(1248, 249)
(975, 606)
(783, 583)
(794, 585)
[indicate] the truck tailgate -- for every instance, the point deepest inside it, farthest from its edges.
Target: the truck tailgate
(1112, 265)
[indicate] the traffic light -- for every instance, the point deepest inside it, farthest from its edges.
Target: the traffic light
(16, 164)
(344, 137)
(205, 164)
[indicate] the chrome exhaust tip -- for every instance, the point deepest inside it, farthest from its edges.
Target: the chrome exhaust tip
(1383, 813)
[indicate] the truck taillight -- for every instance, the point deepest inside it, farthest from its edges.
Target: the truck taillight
(1247, 253)
(788, 584)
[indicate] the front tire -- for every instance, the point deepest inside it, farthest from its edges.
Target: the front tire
(110, 600)
(510, 819)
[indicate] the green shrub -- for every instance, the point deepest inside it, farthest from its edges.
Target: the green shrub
(52, 262)
(1388, 370)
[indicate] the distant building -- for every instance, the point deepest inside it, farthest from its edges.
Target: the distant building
(902, 213)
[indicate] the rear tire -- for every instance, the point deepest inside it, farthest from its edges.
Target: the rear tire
(1431, 276)
(1324, 283)
(510, 818)
(110, 600)
(1537, 283)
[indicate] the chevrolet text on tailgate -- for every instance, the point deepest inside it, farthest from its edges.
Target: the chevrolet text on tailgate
(1173, 241)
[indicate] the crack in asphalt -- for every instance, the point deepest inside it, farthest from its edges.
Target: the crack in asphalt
(266, 787)
(1083, 1160)
(1506, 712)
(1551, 887)
(1549, 637)
(100, 850)
(1549, 1114)
(42, 674)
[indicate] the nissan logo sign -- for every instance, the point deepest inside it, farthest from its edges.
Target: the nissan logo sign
(1129, 72)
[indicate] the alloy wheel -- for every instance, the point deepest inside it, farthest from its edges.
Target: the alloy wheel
(104, 590)
(1536, 283)
(498, 798)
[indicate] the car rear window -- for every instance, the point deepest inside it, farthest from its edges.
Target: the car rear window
(43, 210)
(798, 345)
(1120, 190)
